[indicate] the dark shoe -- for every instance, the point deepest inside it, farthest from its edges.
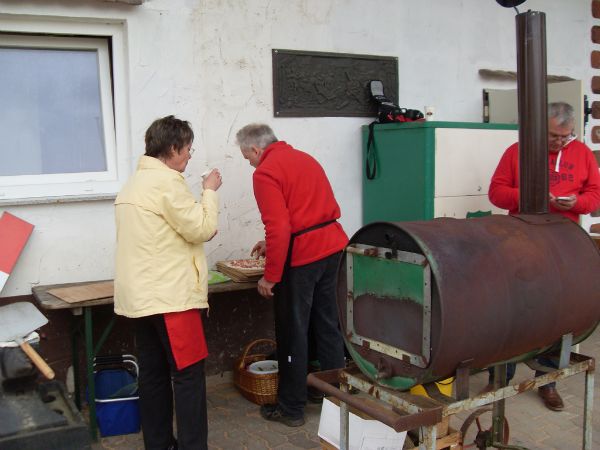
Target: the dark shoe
(274, 414)
(551, 398)
(314, 396)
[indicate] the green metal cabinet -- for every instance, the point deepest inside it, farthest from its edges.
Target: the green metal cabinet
(432, 169)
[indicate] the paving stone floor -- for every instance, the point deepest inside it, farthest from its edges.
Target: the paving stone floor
(235, 423)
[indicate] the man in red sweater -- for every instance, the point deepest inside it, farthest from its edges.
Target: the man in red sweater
(303, 244)
(574, 189)
(573, 170)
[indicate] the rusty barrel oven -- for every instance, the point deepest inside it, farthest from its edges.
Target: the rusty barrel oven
(419, 299)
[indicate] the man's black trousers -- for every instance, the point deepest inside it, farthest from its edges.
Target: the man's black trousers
(306, 297)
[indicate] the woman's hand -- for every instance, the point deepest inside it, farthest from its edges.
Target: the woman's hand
(212, 180)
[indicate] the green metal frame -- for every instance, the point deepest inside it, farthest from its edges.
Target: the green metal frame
(367, 269)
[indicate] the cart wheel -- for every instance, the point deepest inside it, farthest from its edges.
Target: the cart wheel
(480, 436)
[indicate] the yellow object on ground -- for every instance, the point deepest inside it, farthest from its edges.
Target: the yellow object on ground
(445, 387)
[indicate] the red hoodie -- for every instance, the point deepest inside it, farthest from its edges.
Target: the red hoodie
(293, 193)
(577, 174)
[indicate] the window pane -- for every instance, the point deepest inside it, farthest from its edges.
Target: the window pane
(50, 112)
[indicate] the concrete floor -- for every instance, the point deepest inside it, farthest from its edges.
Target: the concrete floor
(234, 422)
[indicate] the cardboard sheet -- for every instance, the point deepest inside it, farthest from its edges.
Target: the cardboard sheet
(81, 293)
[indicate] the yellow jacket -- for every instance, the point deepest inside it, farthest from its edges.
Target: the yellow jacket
(160, 263)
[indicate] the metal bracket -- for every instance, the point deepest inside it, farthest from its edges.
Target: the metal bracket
(462, 379)
(565, 350)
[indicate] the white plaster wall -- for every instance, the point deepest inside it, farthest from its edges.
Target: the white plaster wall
(209, 61)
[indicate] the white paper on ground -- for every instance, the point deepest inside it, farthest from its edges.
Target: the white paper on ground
(364, 434)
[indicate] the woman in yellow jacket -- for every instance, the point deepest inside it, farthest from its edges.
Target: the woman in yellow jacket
(161, 281)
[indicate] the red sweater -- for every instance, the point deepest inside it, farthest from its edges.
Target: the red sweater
(293, 193)
(578, 174)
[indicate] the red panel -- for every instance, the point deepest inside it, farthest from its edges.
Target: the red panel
(14, 233)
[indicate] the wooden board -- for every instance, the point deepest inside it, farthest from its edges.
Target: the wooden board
(242, 274)
(84, 292)
(451, 441)
(48, 301)
(238, 277)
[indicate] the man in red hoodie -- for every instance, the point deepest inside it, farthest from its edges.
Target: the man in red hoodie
(573, 170)
(303, 244)
(574, 189)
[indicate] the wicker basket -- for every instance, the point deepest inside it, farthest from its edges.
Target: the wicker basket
(258, 388)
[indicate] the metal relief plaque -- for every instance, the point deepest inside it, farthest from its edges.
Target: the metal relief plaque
(315, 84)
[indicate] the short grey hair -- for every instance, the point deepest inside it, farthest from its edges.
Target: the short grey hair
(562, 112)
(255, 135)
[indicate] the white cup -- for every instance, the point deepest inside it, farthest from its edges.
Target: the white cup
(206, 173)
(429, 113)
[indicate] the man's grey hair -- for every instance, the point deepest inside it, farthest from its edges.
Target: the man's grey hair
(562, 112)
(255, 135)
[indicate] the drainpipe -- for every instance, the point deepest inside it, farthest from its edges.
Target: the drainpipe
(533, 112)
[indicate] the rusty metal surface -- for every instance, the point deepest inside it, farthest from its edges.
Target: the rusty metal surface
(502, 287)
(410, 340)
(533, 112)
(403, 401)
(578, 365)
(328, 376)
(461, 381)
(413, 411)
(377, 410)
(415, 404)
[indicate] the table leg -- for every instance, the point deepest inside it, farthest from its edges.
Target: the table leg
(344, 421)
(587, 409)
(75, 359)
(89, 361)
(499, 407)
(427, 437)
(104, 336)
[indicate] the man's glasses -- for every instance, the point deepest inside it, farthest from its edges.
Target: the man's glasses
(564, 139)
(192, 150)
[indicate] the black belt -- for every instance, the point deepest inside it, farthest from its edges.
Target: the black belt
(288, 261)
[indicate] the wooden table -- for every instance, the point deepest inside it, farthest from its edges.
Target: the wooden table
(82, 311)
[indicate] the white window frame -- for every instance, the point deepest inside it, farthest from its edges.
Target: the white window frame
(72, 34)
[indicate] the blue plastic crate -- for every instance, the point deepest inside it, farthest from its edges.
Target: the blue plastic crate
(117, 409)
